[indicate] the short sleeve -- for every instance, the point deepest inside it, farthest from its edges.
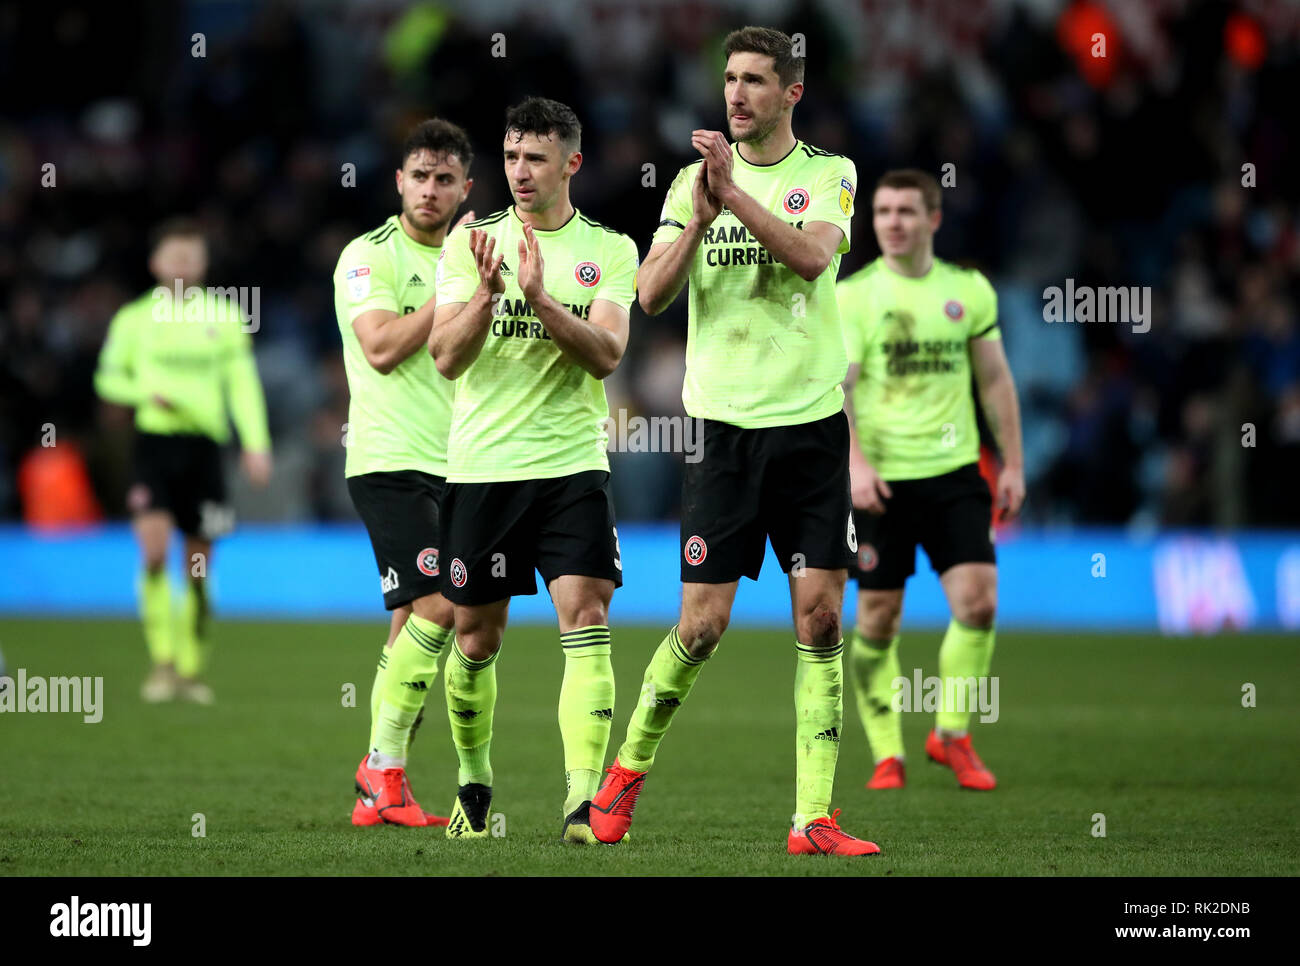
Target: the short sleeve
(832, 196)
(457, 273)
(676, 211)
(618, 275)
(984, 309)
(363, 281)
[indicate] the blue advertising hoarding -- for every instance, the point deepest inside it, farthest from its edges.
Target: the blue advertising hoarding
(1177, 583)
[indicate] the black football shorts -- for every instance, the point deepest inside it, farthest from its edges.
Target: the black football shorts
(182, 474)
(401, 512)
(498, 534)
(950, 516)
(786, 483)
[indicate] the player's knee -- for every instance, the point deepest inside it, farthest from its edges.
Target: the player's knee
(435, 608)
(878, 620)
(822, 626)
(154, 562)
(700, 633)
(591, 614)
(978, 611)
(478, 645)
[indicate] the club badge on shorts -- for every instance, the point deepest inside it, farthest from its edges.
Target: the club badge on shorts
(459, 575)
(695, 551)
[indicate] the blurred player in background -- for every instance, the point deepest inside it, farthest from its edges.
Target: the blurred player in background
(758, 227)
(532, 314)
(916, 329)
(186, 366)
(396, 467)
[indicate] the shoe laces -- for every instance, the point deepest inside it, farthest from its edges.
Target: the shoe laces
(825, 823)
(826, 833)
(624, 776)
(395, 783)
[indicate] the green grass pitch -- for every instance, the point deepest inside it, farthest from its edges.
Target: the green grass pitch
(1147, 731)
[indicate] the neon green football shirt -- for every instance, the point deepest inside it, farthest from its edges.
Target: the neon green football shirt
(522, 410)
(186, 366)
(397, 421)
(764, 347)
(913, 400)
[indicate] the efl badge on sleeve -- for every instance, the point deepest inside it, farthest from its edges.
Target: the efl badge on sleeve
(359, 282)
(846, 197)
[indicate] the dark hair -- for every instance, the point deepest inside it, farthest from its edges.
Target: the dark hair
(181, 227)
(440, 137)
(545, 117)
(773, 43)
(922, 181)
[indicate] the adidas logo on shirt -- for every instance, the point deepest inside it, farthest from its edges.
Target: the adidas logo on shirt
(415, 280)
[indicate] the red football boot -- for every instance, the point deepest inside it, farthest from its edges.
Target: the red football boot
(394, 805)
(611, 809)
(823, 836)
(365, 813)
(370, 784)
(958, 755)
(889, 774)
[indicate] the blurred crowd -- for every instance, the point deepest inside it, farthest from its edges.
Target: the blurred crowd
(1168, 162)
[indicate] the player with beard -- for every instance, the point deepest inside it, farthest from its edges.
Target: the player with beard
(757, 227)
(398, 421)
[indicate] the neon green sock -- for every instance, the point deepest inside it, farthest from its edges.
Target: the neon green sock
(471, 697)
(964, 658)
(586, 710)
(156, 615)
(377, 694)
(819, 716)
(668, 680)
(412, 668)
(873, 665)
(192, 641)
